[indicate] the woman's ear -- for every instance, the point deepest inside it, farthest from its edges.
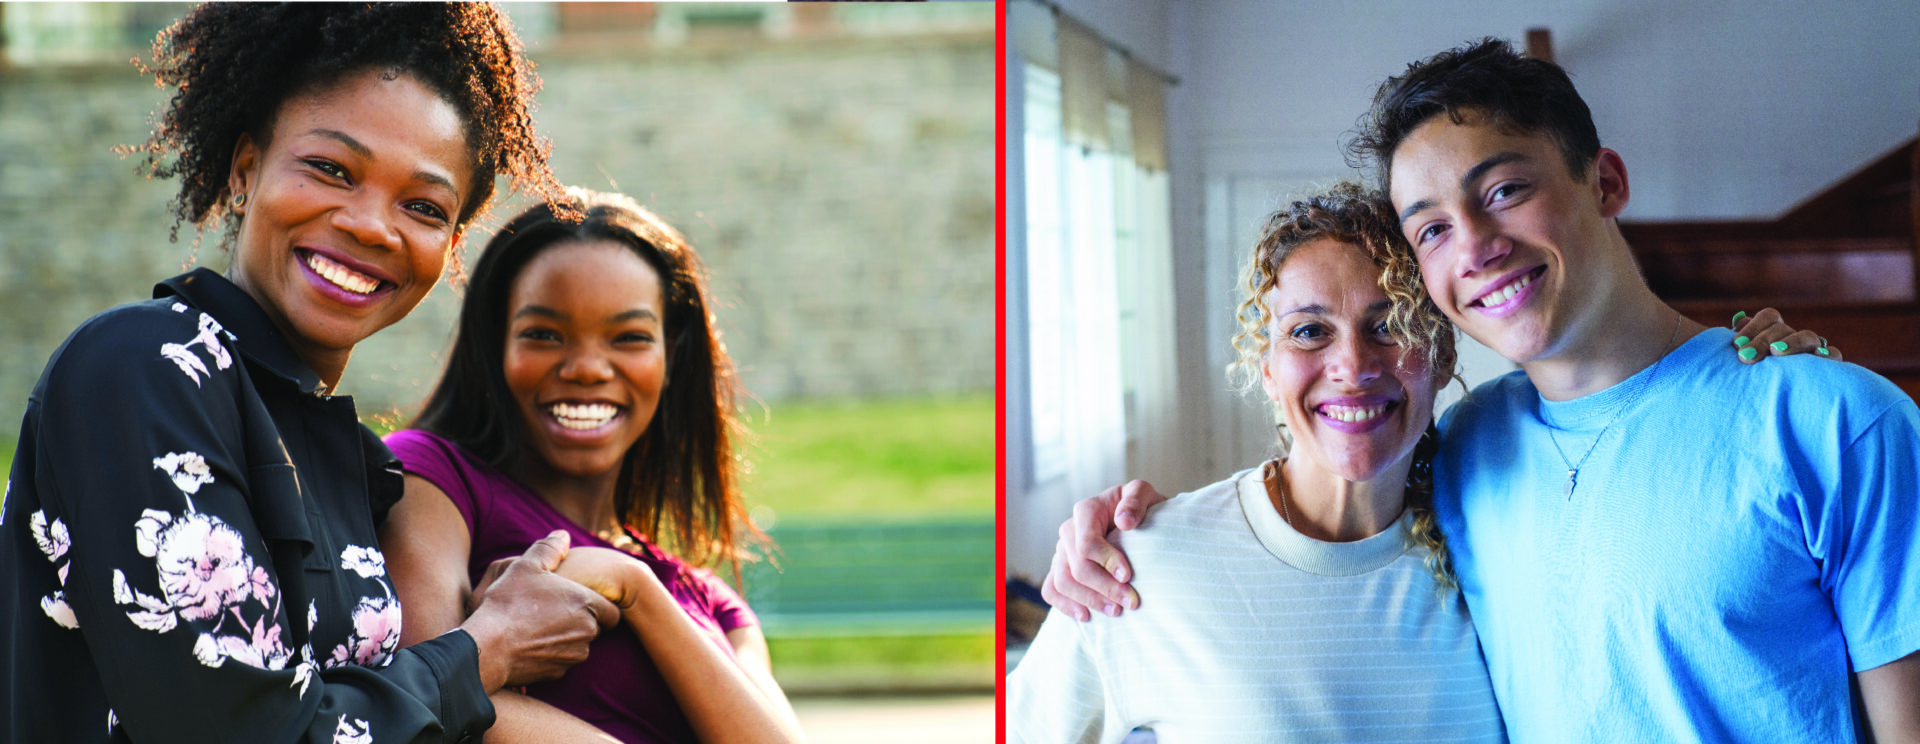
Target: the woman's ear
(244, 173)
(1267, 383)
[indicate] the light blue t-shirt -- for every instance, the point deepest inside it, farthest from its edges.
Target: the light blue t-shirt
(1740, 540)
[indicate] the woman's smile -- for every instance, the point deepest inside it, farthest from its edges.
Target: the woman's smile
(1356, 414)
(338, 278)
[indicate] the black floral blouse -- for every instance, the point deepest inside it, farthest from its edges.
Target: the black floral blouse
(188, 546)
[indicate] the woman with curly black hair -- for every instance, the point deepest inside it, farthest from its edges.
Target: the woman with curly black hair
(588, 391)
(190, 533)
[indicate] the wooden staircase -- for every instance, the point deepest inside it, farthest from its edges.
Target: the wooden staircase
(1843, 263)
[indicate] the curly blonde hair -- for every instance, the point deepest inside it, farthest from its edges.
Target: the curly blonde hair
(1354, 215)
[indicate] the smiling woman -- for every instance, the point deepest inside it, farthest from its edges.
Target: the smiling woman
(346, 211)
(1310, 593)
(190, 533)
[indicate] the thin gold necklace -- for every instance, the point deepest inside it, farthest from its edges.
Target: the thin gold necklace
(1573, 468)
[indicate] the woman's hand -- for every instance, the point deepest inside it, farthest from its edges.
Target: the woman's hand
(531, 623)
(615, 575)
(1087, 570)
(1767, 334)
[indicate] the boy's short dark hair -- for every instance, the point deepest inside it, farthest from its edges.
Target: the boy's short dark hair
(1519, 94)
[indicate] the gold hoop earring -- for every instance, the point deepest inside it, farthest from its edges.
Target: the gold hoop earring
(239, 200)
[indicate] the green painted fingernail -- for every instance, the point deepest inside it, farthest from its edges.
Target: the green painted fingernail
(1748, 354)
(1740, 340)
(1779, 345)
(1823, 351)
(1736, 318)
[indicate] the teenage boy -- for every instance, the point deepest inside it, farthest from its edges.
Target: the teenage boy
(1655, 542)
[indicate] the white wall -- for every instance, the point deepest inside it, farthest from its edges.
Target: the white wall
(1721, 110)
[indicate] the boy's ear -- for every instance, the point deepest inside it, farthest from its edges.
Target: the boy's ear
(1610, 174)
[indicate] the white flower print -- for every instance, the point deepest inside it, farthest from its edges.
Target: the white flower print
(52, 538)
(367, 562)
(209, 337)
(154, 614)
(55, 605)
(205, 574)
(303, 672)
(202, 562)
(352, 733)
(376, 633)
(54, 541)
(260, 648)
(376, 620)
(187, 469)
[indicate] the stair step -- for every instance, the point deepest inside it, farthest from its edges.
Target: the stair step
(1877, 276)
(1755, 245)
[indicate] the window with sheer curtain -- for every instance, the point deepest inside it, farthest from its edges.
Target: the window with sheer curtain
(1095, 304)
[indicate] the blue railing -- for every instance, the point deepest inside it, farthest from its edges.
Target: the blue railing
(922, 578)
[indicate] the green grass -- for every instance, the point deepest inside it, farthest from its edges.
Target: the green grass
(895, 663)
(897, 651)
(869, 461)
(911, 458)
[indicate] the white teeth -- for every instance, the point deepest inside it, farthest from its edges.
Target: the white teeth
(583, 417)
(341, 276)
(1352, 414)
(1501, 295)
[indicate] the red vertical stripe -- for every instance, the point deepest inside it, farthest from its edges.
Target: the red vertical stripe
(1000, 368)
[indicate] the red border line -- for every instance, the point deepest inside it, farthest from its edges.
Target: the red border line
(1000, 369)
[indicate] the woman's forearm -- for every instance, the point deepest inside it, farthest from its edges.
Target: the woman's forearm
(518, 718)
(720, 699)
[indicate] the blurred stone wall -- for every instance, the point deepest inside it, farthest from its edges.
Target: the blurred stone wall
(840, 189)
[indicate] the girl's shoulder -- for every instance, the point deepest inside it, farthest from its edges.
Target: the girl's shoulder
(439, 458)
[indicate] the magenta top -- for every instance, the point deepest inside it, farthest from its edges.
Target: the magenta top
(617, 688)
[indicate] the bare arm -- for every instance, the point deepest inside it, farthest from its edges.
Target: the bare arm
(1891, 694)
(750, 652)
(723, 699)
(427, 547)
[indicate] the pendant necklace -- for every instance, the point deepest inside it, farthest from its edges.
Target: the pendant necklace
(1573, 468)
